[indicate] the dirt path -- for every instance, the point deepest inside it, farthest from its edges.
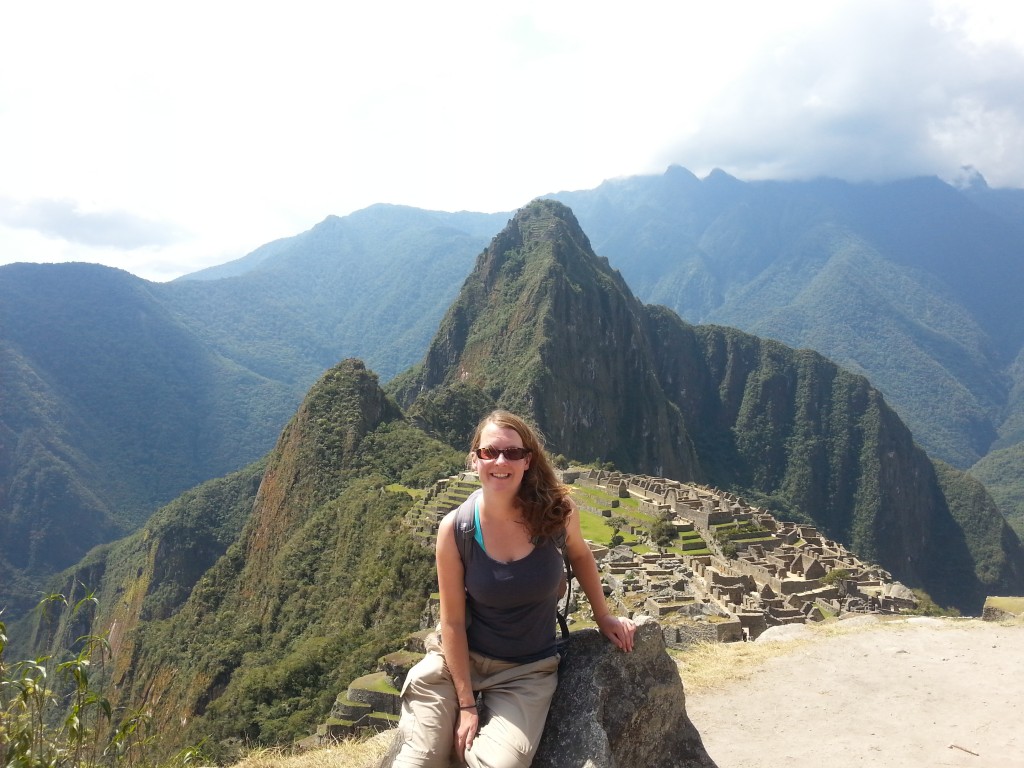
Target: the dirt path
(919, 692)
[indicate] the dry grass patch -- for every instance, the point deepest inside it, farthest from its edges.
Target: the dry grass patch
(706, 666)
(1014, 605)
(351, 753)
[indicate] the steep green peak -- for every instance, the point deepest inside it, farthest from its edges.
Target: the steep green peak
(348, 398)
(345, 405)
(543, 240)
(546, 328)
(545, 220)
(527, 288)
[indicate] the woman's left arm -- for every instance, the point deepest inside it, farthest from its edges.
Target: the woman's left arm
(584, 567)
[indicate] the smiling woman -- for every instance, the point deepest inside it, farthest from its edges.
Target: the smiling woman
(485, 685)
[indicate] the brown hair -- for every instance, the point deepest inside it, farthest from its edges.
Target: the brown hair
(542, 497)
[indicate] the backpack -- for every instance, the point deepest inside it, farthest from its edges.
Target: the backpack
(465, 530)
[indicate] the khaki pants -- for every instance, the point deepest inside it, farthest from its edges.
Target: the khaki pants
(516, 698)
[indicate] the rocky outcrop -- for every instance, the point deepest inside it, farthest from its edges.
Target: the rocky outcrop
(620, 710)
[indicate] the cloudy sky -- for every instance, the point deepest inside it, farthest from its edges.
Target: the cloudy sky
(164, 137)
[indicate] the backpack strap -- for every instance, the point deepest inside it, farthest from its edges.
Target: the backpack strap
(465, 526)
(562, 607)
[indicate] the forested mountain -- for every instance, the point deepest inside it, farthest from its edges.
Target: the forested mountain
(241, 609)
(119, 396)
(271, 599)
(915, 284)
(372, 284)
(109, 407)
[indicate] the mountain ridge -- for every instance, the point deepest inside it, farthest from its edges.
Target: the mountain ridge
(804, 275)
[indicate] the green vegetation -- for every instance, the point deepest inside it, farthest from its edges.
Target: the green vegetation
(835, 576)
(1000, 471)
(983, 527)
(293, 594)
(928, 607)
(53, 711)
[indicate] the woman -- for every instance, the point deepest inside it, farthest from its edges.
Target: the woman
(500, 573)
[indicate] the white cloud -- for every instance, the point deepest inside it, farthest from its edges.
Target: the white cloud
(238, 123)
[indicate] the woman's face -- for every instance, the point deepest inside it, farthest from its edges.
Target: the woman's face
(500, 474)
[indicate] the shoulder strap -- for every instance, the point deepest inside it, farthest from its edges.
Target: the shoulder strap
(562, 607)
(465, 526)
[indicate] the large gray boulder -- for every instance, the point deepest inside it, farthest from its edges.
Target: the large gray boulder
(619, 710)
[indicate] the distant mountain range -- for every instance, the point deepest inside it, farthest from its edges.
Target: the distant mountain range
(240, 610)
(119, 394)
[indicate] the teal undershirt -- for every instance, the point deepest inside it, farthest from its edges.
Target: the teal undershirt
(478, 534)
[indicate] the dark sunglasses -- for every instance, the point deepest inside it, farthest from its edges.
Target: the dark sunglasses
(489, 453)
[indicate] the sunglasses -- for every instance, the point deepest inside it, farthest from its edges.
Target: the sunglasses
(489, 453)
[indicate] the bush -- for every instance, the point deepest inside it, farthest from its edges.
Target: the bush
(53, 713)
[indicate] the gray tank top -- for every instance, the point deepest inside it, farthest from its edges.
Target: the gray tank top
(510, 607)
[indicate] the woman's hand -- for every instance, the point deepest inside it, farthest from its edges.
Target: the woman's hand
(618, 630)
(465, 731)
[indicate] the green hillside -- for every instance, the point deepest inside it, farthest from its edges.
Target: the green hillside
(1002, 472)
(110, 408)
(913, 283)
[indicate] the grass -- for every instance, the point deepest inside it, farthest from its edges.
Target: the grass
(1014, 605)
(350, 753)
(415, 493)
(377, 681)
(595, 527)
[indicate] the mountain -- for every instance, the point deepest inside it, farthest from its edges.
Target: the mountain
(110, 407)
(119, 393)
(373, 284)
(243, 608)
(544, 327)
(272, 587)
(913, 283)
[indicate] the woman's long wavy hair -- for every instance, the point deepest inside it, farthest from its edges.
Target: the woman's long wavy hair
(542, 497)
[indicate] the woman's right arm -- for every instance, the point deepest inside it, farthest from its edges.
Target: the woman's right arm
(452, 587)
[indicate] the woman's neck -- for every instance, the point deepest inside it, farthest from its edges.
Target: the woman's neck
(500, 508)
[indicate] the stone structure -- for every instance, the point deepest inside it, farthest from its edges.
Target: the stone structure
(757, 571)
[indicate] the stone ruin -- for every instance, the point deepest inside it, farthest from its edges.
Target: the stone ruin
(776, 572)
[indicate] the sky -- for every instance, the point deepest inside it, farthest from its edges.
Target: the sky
(162, 138)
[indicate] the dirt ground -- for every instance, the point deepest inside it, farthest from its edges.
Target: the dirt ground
(913, 692)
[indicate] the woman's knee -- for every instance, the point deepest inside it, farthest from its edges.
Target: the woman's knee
(493, 749)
